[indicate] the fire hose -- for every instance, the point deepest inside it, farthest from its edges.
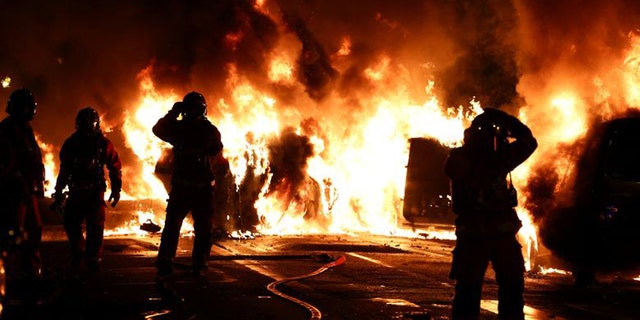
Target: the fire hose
(315, 313)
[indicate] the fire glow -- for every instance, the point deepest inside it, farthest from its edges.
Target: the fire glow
(357, 170)
(361, 177)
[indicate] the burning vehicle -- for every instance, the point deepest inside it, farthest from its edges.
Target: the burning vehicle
(598, 231)
(427, 195)
(235, 211)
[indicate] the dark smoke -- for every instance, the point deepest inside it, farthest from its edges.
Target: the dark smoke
(486, 66)
(73, 54)
(288, 155)
(315, 71)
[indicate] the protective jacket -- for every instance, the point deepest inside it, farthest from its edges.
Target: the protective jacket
(21, 167)
(481, 195)
(21, 184)
(82, 161)
(195, 144)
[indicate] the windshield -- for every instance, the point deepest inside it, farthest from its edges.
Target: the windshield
(622, 157)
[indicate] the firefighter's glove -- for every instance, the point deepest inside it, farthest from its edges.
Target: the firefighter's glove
(58, 202)
(176, 110)
(114, 198)
(517, 128)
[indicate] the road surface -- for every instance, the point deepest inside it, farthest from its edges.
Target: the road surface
(291, 277)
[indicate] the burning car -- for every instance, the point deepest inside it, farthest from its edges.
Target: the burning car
(598, 232)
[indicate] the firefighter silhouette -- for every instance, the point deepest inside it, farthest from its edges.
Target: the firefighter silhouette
(195, 142)
(83, 157)
(227, 216)
(486, 223)
(21, 185)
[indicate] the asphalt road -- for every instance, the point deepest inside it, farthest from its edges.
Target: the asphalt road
(379, 278)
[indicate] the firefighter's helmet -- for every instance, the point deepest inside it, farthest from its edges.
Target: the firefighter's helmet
(88, 121)
(488, 130)
(22, 104)
(194, 104)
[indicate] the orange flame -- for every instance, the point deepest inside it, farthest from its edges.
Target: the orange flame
(358, 167)
(361, 147)
(137, 128)
(50, 166)
(359, 174)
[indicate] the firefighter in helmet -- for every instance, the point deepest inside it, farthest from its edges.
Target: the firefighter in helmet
(21, 185)
(483, 200)
(83, 157)
(196, 142)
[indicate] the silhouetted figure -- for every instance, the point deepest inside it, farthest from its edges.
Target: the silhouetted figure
(83, 157)
(487, 223)
(196, 142)
(21, 185)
